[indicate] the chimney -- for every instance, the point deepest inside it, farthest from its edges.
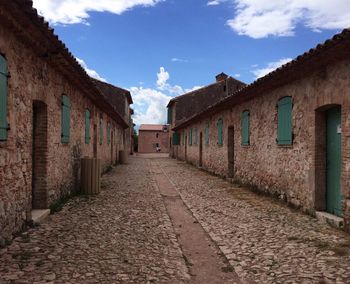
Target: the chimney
(221, 77)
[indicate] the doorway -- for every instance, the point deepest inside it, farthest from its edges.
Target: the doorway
(112, 139)
(231, 151)
(185, 148)
(39, 156)
(200, 149)
(95, 141)
(333, 161)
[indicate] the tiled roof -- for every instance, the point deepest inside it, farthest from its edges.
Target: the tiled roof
(34, 31)
(333, 50)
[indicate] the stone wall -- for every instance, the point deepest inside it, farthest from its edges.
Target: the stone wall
(33, 79)
(290, 172)
(147, 140)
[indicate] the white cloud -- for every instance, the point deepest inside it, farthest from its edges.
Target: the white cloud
(154, 102)
(259, 19)
(215, 2)
(77, 11)
(178, 60)
(150, 104)
(270, 67)
(237, 75)
(92, 73)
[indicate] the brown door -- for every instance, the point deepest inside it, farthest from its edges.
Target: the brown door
(231, 151)
(200, 149)
(39, 156)
(185, 148)
(95, 141)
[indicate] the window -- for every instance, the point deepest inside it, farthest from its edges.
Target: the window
(108, 133)
(207, 134)
(183, 138)
(190, 137)
(284, 124)
(245, 128)
(176, 138)
(157, 135)
(87, 126)
(220, 132)
(195, 136)
(3, 98)
(65, 119)
(101, 130)
(170, 115)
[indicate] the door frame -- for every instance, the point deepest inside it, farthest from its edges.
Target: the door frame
(230, 151)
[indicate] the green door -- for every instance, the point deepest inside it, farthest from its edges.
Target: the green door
(333, 161)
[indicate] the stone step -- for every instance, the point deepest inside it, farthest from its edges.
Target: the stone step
(330, 219)
(39, 215)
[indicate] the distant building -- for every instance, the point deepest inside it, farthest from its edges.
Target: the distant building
(153, 137)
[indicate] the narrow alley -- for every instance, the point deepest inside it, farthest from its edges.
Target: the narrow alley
(159, 220)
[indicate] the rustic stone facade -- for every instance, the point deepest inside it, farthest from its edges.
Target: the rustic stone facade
(36, 168)
(294, 173)
(149, 136)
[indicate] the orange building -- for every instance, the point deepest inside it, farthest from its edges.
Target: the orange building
(153, 137)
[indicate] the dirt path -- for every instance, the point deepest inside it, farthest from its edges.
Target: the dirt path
(203, 258)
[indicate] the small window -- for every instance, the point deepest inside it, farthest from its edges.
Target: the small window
(87, 126)
(170, 115)
(3, 98)
(284, 124)
(65, 119)
(190, 137)
(220, 132)
(245, 128)
(207, 134)
(157, 135)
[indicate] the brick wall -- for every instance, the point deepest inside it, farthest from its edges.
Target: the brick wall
(294, 173)
(57, 167)
(147, 140)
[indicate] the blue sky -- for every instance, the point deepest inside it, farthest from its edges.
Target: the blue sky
(159, 49)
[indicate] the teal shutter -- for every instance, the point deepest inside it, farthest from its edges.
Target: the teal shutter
(245, 128)
(190, 137)
(284, 127)
(3, 98)
(87, 126)
(207, 134)
(220, 132)
(170, 115)
(195, 136)
(101, 132)
(108, 133)
(65, 119)
(176, 138)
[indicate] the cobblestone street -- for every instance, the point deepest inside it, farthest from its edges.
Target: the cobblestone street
(128, 234)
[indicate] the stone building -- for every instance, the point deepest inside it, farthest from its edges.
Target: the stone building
(51, 115)
(287, 134)
(187, 105)
(153, 136)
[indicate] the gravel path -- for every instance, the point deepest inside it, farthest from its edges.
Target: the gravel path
(264, 240)
(124, 235)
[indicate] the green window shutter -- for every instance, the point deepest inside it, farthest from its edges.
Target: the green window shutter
(176, 138)
(207, 134)
(108, 133)
(190, 137)
(245, 128)
(87, 126)
(101, 132)
(284, 126)
(220, 132)
(170, 115)
(65, 119)
(195, 136)
(3, 98)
